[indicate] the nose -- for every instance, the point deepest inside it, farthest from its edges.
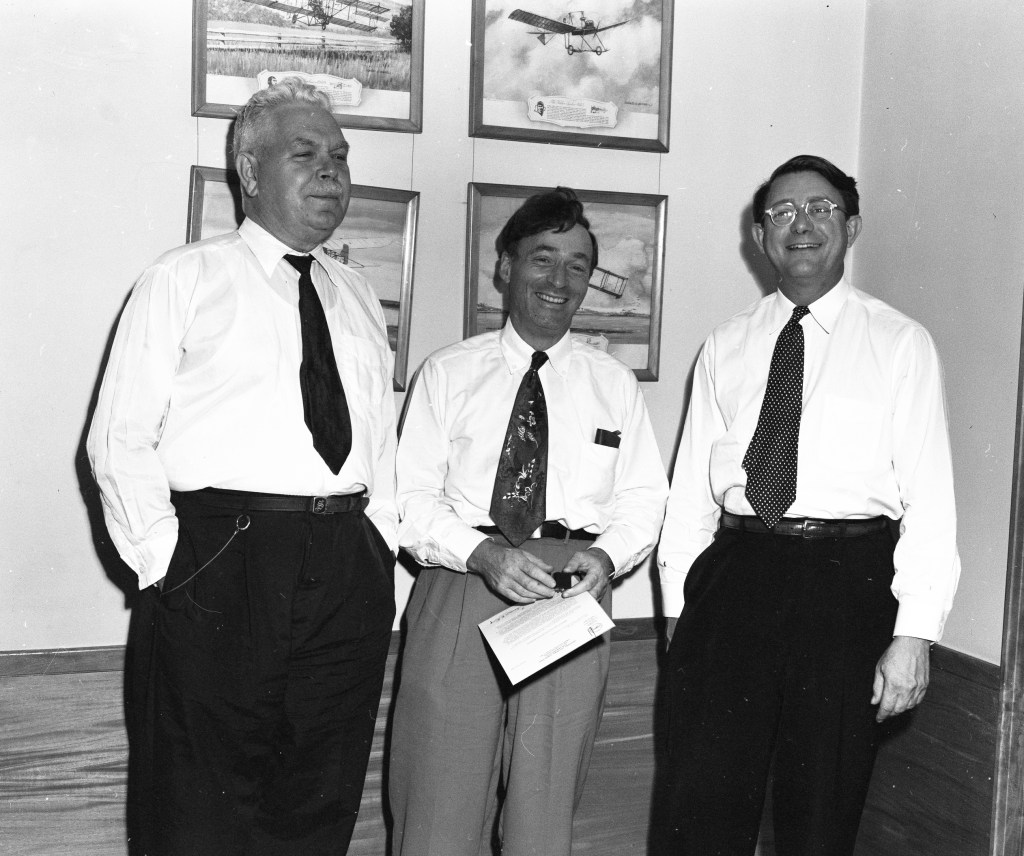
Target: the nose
(801, 222)
(328, 167)
(557, 276)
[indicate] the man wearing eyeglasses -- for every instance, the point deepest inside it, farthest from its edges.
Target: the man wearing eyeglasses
(816, 430)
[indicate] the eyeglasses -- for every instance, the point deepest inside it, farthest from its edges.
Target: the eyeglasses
(817, 210)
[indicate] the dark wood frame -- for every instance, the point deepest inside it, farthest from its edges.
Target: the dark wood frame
(477, 127)
(411, 124)
(203, 175)
(1007, 814)
(474, 252)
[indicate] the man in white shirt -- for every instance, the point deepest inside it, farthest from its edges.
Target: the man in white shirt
(804, 622)
(594, 496)
(244, 445)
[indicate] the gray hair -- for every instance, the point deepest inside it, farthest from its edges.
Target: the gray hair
(251, 123)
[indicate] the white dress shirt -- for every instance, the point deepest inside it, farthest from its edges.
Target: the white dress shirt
(873, 440)
(201, 390)
(454, 429)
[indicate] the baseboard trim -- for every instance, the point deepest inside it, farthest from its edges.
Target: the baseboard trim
(110, 658)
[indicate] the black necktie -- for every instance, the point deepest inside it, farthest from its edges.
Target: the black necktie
(517, 502)
(771, 458)
(324, 406)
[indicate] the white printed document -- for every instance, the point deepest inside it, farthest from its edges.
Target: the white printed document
(529, 637)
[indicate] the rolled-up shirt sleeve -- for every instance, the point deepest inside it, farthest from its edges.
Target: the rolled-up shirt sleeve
(640, 491)
(126, 427)
(926, 559)
(430, 528)
(692, 514)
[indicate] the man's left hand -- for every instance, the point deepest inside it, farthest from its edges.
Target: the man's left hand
(901, 676)
(596, 568)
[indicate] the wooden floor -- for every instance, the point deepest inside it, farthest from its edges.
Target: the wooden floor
(63, 760)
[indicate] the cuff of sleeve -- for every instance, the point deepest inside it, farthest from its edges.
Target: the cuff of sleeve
(672, 598)
(618, 551)
(463, 543)
(919, 617)
(155, 557)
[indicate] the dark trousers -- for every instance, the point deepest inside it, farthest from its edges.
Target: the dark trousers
(253, 713)
(773, 658)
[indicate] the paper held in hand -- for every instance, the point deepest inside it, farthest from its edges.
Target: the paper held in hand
(527, 638)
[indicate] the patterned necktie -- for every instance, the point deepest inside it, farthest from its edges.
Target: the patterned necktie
(517, 502)
(771, 458)
(324, 405)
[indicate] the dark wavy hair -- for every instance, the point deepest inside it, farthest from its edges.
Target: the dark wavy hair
(556, 210)
(845, 184)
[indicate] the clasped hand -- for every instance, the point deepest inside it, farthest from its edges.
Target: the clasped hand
(518, 576)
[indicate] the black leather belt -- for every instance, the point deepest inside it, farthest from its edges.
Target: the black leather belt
(245, 500)
(549, 529)
(806, 527)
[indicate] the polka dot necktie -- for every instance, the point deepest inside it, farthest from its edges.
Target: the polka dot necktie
(520, 484)
(771, 458)
(324, 405)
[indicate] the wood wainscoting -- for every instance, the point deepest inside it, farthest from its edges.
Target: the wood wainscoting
(64, 758)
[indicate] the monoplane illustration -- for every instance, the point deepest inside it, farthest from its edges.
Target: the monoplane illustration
(581, 34)
(320, 13)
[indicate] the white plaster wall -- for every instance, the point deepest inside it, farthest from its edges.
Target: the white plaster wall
(97, 141)
(942, 183)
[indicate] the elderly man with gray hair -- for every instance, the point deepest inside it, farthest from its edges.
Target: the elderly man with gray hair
(244, 444)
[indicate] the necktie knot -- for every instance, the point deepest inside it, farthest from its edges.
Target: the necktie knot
(303, 264)
(538, 359)
(798, 313)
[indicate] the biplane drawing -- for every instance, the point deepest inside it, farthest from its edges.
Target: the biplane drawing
(608, 282)
(340, 248)
(320, 13)
(580, 33)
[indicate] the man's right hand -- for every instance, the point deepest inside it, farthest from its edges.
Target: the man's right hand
(512, 573)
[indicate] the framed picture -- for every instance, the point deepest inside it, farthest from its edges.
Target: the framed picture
(621, 313)
(545, 74)
(376, 238)
(366, 55)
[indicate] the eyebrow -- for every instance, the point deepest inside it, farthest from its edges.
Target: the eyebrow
(551, 248)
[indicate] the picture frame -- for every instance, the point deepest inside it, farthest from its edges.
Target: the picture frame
(372, 73)
(540, 73)
(377, 237)
(621, 313)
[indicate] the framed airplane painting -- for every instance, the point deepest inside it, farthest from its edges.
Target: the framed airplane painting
(365, 55)
(546, 71)
(621, 313)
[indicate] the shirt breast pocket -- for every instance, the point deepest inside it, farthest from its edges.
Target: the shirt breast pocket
(596, 473)
(851, 434)
(362, 365)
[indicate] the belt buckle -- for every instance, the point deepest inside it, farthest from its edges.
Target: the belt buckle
(318, 504)
(811, 528)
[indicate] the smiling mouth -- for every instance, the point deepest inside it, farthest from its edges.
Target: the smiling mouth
(552, 299)
(802, 246)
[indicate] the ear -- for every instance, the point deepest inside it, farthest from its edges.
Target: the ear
(505, 268)
(853, 227)
(757, 232)
(246, 166)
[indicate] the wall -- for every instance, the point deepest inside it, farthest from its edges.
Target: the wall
(942, 176)
(98, 140)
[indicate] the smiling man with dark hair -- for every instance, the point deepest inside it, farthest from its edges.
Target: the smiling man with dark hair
(816, 427)
(526, 456)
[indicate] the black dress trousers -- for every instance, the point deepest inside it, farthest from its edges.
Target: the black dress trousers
(262, 687)
(773, 660)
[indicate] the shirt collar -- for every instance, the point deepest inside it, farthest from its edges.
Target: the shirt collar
(825, 310)
(517, 353)
(269, 250)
